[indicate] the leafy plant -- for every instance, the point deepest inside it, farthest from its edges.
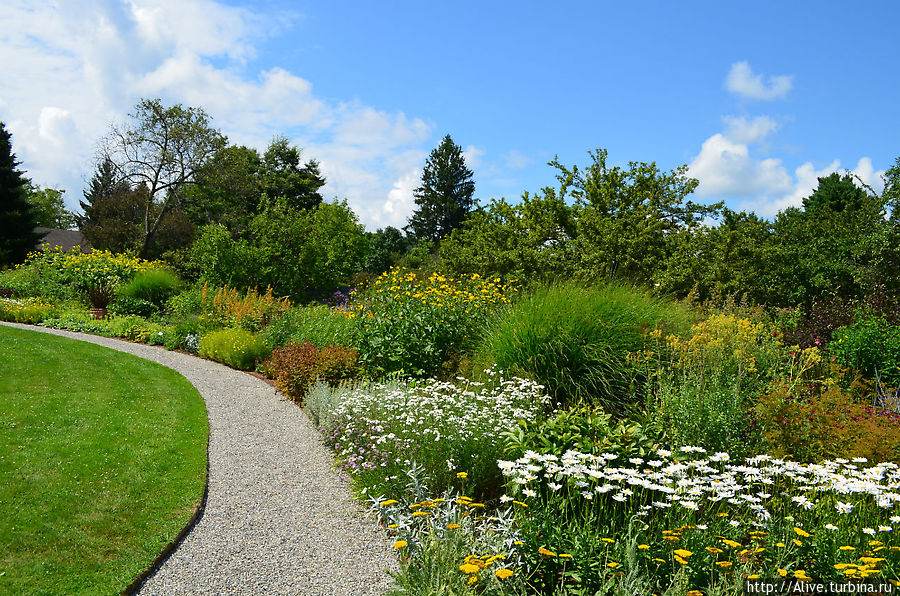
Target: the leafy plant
(238, 348)
(871, 345)
(250, 310)
(154, 286)
(295, 367)
(320, 325)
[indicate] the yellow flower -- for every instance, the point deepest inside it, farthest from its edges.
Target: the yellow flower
(643, 546)
(731, 543)
(609, 540)
(568, 556)
(399, 544)
(782, 572)
(462, 475)
(421, 513)
(546, 552)
(520, 504)
(779, 544)
(724, 564)
(452, 526)
(801, 532)
(389, 502)
(797, 542)
(469, 568)
(392, 526)
(713, 550)
(612, 564)
(473, 579)
(681, 560)
(683, 553)
(847, 547)
(503, 573)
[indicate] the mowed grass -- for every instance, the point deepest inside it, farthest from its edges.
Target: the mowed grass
(102, 461)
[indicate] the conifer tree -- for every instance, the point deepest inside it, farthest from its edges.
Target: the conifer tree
(17, 221)
(445, 196)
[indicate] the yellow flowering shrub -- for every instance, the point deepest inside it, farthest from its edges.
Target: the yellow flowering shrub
(228, 307)
(409, 322)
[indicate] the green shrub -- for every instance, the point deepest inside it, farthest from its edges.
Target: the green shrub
(870, 345)
(576, 339)
(30, 311)
(319, 325)
(154, 286)
(250, 310)
(295, 367)
(186, 303)
(133, 328)
(411, 324)
(586, 429)
(124, 306)
(238, 348)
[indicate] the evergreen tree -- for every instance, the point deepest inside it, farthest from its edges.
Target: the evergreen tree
(113, 212)
(445, 197)
(17, 222)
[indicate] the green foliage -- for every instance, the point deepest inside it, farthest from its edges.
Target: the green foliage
(384, 248)
(444, 198)
(871, 345)
(823, 421)
(17, 218)
(113, 211)
(161, 149)
(575, 340)
(410, 324)
(306, 250)
(124, 306)
(30, 311)
(155, 286)
(50, 208)
(582, 428)
(218, 259)
(238, 348)
(283, 176)
(227, 307)
(627, 219)
(320, 325)
(295, 367)
(532, 239)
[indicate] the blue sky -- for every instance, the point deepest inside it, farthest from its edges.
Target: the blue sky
(759, 99)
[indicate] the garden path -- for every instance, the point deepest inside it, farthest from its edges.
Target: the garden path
(279, 518)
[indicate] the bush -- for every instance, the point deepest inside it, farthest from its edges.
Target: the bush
(410, 325)
(133, 328)
(154, 286)
(706, 383)
(295, 367)
(576, 339)
(30, 311)
(227, 307)
(871, 345)
(319, 325)
(186, 303)
(813, 423)
(125, 306)
(238, 348)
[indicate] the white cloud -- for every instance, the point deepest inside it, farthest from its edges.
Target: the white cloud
(473, 155)
(742, 81)
(741, 130)
(726, 168)
(70, 69)
(516, 160)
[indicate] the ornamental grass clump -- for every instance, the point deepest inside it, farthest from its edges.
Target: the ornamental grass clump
(408, 323)
(576, 339)
(378, 430)
(706, 518)
(238, 348)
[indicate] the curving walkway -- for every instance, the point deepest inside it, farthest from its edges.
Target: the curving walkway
(279, 518)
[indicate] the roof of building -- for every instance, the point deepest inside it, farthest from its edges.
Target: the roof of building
(66, 239)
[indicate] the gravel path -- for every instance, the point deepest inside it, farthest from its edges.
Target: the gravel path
(279, 519)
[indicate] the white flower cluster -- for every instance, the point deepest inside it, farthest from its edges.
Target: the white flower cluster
(683, 481)
(437, 411)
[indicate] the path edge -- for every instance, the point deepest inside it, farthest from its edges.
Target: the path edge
(199, 509)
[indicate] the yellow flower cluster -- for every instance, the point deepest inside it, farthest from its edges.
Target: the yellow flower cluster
(91, 269)
(467, 292)
(474, 565)
(724, 335)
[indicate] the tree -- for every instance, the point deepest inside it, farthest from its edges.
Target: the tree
(444, 198)
(50, 208)
(113, 213)
(627, 220)
(17, 218)
(162, 149)
(284, 177)
(228, 190)
(837, 193)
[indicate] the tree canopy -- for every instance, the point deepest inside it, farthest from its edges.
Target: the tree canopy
(445, 197)
(17, 217)
(162, 149)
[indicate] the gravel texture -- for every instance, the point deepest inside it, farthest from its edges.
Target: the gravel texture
(279, 518)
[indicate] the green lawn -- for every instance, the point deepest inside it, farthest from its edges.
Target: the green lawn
(102, 461)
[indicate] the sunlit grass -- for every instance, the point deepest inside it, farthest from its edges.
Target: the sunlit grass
(103, 459)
